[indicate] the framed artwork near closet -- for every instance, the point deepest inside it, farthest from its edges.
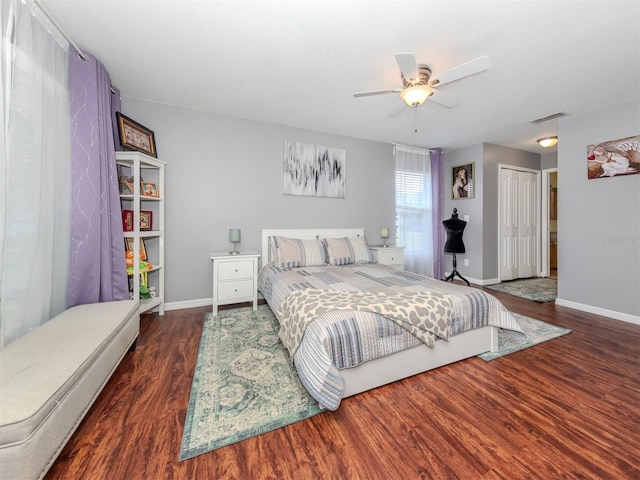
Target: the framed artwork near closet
(462, 177)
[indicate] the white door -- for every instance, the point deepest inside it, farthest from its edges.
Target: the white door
(518, 224)
(527, 224)
(508, 224)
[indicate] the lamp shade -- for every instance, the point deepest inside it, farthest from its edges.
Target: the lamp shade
(384, 232)
(414, 96)
(548, 142)
(234, 235)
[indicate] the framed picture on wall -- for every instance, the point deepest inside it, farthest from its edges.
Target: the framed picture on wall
(134, 136)
(614, 158)
(462, 181)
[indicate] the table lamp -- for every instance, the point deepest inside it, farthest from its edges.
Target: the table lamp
(234, 237)
(384, 234)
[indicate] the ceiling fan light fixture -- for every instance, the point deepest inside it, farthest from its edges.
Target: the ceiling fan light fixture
(548, 142)
(416, 95)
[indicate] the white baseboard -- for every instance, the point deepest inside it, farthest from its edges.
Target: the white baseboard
(476, 281)
(202, 302)
(625, 317)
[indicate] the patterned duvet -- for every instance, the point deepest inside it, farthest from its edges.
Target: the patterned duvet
(340, 339)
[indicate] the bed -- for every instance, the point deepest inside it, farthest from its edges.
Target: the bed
(346, 350)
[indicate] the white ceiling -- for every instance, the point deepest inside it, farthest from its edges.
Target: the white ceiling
(298, 63)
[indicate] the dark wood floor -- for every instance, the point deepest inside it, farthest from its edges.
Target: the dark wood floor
(569, 408)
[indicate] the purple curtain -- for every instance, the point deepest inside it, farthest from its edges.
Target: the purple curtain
(97, 267)
(115, 107)
(438, 230)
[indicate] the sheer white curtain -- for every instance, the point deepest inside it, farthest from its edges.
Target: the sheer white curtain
(35, 171)
(414, 208)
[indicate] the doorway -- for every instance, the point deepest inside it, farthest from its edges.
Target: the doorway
(519, 214)
(549, 225)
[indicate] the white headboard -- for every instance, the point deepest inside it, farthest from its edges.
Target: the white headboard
(304, 233)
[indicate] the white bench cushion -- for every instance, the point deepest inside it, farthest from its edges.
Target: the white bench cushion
(40, 369)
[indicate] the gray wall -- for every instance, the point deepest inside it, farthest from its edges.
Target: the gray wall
(226, 172)
(472, 236)
(599, 219)
(549, 160)
(494, 156)
(481, 233)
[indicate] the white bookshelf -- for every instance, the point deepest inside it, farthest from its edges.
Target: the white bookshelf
(142, 167)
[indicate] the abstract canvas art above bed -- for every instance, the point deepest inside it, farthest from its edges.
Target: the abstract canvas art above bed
(314, 170)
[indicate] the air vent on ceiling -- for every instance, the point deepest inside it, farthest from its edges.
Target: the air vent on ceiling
(553, 116)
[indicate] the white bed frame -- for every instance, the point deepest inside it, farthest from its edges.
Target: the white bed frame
(391, 368)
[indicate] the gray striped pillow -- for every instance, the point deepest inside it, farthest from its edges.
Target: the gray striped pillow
(295, 252)
(348, 250)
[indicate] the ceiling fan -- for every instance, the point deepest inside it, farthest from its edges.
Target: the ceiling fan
(418, 85)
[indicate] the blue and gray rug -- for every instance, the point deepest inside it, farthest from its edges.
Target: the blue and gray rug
(538, 289)
(245, 385)
(535, 332)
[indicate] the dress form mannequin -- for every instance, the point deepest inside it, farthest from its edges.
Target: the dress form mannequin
(454, 244)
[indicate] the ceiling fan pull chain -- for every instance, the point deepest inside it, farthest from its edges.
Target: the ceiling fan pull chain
(415, 119)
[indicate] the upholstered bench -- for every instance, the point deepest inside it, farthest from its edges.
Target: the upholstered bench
(50, 377)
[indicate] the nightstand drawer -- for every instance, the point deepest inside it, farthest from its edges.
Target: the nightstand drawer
(235, 290)
(390, 258)
(235, 270)
(235, 279)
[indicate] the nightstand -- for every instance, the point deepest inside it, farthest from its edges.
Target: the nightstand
(235, 279)
(392, 256)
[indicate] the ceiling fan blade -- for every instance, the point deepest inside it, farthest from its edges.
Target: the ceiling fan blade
(375, 92)
(443, 98)
(407, 63)
(398, 109)
(472, 67)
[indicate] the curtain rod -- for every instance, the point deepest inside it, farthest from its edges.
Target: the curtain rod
(81, 54)
(62, 32)
(430, 150)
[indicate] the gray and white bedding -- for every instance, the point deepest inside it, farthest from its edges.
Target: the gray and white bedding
(343, 338)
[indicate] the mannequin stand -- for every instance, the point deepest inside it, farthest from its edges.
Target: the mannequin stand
(455, 272)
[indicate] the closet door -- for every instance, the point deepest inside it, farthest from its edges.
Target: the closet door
(518, 224)
(508, 224)
(527, 224)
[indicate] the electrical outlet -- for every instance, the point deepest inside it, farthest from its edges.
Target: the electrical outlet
(466, 262)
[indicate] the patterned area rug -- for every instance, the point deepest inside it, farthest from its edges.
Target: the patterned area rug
(536, 289)
(243, 384)
(535, 332)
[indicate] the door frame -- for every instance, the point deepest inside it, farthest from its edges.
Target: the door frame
(544, 223)
(504, 166)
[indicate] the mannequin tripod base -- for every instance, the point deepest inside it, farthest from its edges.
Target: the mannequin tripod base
(455, 272)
